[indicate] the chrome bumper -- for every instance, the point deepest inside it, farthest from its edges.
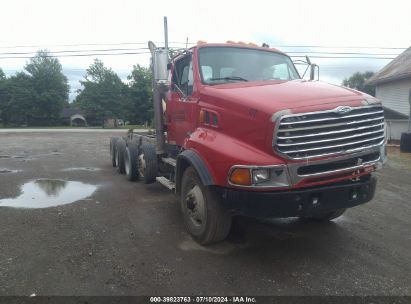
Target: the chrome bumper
(372, 165)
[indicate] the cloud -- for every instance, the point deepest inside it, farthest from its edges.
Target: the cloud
(44, 23)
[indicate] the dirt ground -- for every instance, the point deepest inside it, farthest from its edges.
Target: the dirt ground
(128, 238)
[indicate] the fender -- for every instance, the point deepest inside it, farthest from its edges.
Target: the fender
(220, 152)
(191, 158)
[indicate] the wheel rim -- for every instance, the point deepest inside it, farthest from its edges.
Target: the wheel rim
(195, 205)
(127, 162)
(141, 164)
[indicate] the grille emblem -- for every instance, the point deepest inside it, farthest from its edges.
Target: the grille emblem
(341, 110)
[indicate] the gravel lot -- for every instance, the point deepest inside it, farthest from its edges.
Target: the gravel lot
(128, 238)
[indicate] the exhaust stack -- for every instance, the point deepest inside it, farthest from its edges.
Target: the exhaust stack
(159, 63)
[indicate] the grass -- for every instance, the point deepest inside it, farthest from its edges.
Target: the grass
(134, 127)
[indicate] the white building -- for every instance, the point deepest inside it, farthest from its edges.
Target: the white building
(393, 88)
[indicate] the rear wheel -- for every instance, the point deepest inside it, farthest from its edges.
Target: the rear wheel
(130, 161)
(113, 156)
(205, 218)
(120, 151)
(147, 163)
(326, 216)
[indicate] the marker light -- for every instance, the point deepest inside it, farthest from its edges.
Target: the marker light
(241, 176)
(201, 117)
(275, 176)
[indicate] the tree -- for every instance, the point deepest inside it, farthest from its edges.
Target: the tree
(358, 81)
(3, 94)
(17, 105)
(103, 94)
(139, 106)
(50, 88)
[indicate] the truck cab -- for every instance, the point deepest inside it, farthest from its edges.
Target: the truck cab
(245, 135)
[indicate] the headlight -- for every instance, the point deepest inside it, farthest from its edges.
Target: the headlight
(261, 175)
(254, 176)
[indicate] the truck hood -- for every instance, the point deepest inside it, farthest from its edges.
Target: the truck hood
(272, 96)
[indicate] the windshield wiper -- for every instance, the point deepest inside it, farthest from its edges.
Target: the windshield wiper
(230, 78)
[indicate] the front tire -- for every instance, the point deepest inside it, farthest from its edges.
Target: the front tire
(204, 216)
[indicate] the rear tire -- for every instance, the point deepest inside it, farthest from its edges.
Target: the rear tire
(147, 163)
(113, 149)
(130, 161)
(326, 216)
(120, 151)
(205, 218)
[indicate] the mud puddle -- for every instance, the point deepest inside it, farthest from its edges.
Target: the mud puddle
(81, 169)
(5, 171)
(12, 156)
(44, 193)
(26, 156)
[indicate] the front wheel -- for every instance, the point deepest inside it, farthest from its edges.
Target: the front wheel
(205, 218)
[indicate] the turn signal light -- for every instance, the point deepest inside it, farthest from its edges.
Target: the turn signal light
(241, 176)
(201, 116)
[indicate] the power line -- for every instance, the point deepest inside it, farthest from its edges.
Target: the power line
(86, 44)
(78, 55)
(346, 57)
(193, 43)
(75, 51)
(342, 47)
(343, 53)
(140, 53)
(145, 48)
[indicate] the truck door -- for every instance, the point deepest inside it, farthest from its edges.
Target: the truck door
(180, 104)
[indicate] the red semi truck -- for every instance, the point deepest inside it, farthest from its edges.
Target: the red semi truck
(238, 132)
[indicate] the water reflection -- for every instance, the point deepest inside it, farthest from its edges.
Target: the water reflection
(44, 193)
(51, 187)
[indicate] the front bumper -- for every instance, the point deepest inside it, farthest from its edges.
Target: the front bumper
(305, 202)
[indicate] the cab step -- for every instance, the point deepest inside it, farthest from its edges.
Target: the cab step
(166, 182)
(170, 161)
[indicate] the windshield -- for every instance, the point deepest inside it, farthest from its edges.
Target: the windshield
(234, 64)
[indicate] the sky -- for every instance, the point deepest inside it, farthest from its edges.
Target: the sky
(324, 28)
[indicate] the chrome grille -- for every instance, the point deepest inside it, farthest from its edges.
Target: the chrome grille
(316, 134)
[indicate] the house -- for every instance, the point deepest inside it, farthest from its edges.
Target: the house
(73, 117)
(393, 88)
(111, 122)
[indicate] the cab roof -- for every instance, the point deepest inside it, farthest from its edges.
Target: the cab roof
(201, 44)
